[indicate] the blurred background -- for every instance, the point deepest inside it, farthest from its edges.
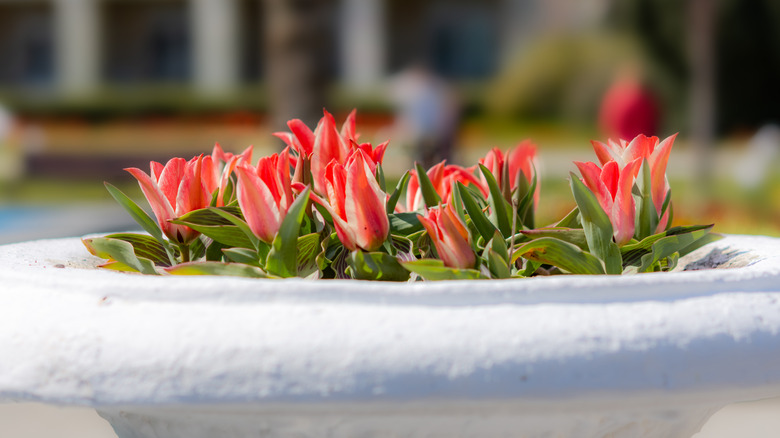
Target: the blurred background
(88, 87)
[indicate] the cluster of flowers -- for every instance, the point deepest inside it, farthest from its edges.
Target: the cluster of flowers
(321, 209)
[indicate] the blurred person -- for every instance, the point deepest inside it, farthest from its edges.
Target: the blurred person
(11, 160)
(628, 108)
(427, 114)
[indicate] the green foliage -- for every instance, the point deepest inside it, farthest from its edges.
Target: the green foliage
(434, 270)
(597, 227)
(563, 255)
(430, 197)
(120, 251)
(499, 213)
(283, 258)
(217, 268)
(375, 266)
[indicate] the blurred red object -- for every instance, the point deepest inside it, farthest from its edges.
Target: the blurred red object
(628, 109)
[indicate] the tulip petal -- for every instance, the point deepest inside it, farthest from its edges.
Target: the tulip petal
(304, 135)
(328, 146)
(658, 161)
(365, 204)
(591, 175)
(623, 210)
(604, 153)
(192, 195)
(348, 128)
(258, 204)
(161, 207)
(170, 178)
(345, 234)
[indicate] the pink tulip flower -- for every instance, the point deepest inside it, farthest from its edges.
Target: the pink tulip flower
(172, 191)
(443, 176)
(521, 157)
(657, 155)
(217, 170)
(356, 203)
(449, 236)
(326, 143)
(612, 186)
(265, 194)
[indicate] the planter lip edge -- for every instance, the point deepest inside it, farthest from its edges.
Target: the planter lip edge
(759, 275)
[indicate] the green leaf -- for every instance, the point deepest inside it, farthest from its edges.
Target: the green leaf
(376, 266)
(141, 217)
(339, 264)
(632, 253)
(392, 201)
(597, 227)
(242, 255)
(669, 245)
(647, 217)
(709, 238)
(217, 268)
(239, 223)
(113, 265)
(575, 236)
(564, 255)
(283, 258)
(144, 246)
(496, 255)
(120, 251)
(405, 223)
(499, 214)
(478, 218)
(380, 177)
(430, 197)
(401, 243)
(497, 265)
(211, 222)
(571, 220)
(434, 270)
(198, 247)
(530, 268)
(308, 249)
(523, 197)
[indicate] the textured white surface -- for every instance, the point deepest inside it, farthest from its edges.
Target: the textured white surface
(652, 348)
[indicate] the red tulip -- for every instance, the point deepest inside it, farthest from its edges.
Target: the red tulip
(612, 187)
(265, 194)
(215, 176)
(442, 176)
(356, 203)
(172, 191)
(521, 157)
(326, 143)
(657, 155)
(449, 236)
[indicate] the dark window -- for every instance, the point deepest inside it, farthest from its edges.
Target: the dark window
(146, 41)
(457, 38)
(26, 45)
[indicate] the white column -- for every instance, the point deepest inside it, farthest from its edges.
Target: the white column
(77, 46)
(362, 43)
(215, 44)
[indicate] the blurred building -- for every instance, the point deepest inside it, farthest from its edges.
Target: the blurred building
(72, 48)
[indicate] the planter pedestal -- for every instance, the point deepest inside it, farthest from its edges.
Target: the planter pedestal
(632, 356)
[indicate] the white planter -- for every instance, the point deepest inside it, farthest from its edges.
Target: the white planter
(633, 356)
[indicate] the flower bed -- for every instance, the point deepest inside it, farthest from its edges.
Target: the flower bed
(321, 209)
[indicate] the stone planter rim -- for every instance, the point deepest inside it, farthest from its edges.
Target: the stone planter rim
(84, 336)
